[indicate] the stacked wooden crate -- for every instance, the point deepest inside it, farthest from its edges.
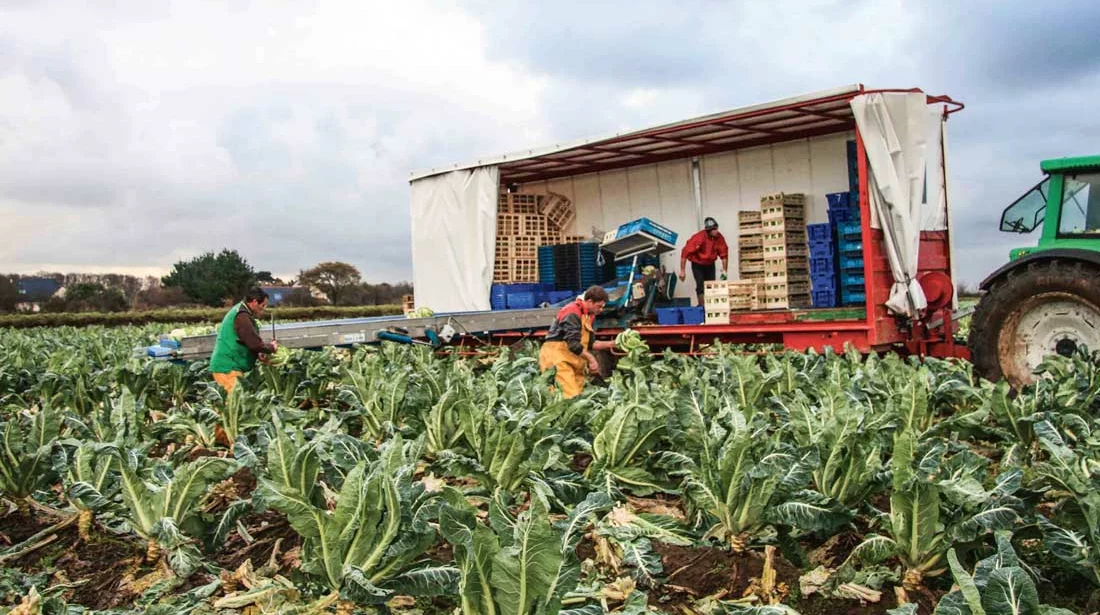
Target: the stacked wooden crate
(525, 222)
(786, 263)
(716, 302)
(744, 295)
(750, 246)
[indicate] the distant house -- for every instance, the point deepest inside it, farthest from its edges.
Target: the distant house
(33, 292)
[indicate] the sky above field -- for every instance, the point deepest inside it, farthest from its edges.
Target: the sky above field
(135, 134)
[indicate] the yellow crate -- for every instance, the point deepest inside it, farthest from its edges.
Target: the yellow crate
(509, 225)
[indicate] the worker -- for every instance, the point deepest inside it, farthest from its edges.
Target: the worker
(569, 344)
(239, 344)
(704, 247)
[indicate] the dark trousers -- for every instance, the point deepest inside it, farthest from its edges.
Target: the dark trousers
(703, 273)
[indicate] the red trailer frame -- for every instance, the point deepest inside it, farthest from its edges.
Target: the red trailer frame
(879, 330)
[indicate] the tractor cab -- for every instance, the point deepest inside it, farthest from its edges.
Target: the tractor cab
(1066, 204)
(1046, 300)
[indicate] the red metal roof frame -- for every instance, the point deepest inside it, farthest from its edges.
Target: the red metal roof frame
(788, 120)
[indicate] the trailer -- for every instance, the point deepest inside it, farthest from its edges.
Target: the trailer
(678, 173)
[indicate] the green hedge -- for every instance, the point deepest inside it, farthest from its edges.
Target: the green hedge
(200, 315)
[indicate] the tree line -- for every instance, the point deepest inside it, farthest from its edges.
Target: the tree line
(210, 280)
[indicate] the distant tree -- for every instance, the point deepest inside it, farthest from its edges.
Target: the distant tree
(158, 297)
(88, 297)
(264, 277)
(9, 293)
(212, 279)
(335, 279)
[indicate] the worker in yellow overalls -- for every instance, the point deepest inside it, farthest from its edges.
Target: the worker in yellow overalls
(569, 344)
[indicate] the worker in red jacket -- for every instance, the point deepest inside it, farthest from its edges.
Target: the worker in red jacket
(704, 247)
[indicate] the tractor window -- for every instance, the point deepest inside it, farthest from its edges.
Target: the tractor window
(1026, 214)
(1081, 205)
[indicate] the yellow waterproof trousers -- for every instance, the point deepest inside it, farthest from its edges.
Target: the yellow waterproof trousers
(571, 368)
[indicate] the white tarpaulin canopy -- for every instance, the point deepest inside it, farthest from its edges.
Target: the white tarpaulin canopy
(453, 239)
(902, 138)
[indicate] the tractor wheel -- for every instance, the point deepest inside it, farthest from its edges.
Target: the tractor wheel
(1034, 311)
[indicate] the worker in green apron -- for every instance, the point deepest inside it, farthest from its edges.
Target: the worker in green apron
(239, 344)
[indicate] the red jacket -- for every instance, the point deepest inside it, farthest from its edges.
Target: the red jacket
(703, 250)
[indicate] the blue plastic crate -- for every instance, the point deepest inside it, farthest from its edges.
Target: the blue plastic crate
(822, 265)
(559, 296)
(853, 297)
(837, 200)
(847, 263)
(521, 300)
(647, 226)
(669, 316)
(692, 315)
(851, 279)
(853, 198)
(822, 249)
(841, 216)
(823, 282)
(824, 298)
(819, 232)
(849, 230)
(849, 247)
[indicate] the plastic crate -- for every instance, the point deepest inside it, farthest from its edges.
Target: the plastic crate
(692, 315)
(849, 230)
(822, 249)
(647, 226)
(559, 296)
(819, 232)
(853, 297)
(521, 300)
(669, 316)
(838, 200)
(847, 263)
(843, 215)
(823, 283)
(851, 279)
(823, 298)
(849, 247)
(822, 265)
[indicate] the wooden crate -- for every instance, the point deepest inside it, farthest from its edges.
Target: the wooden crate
(787, 302)
(716, 287)
(525, 270)
(509, 225)
(784, 198)
(744, 294)
(534, 224)
(787, 277)
(716, 316)
(550, 239)
(785, 289)
(502, 271)
(784, 263)
(784, 238)
(523, 203)
(775, 210)
(749, 229)
(784, 225)
(786, 251)
(525, 247)
(750, 242)
(577, 239)
(755, 265)
(504, 247)
(559, 211)
(748, 215)
(408, 303)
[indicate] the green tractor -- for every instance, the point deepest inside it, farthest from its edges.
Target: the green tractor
(1047, 298)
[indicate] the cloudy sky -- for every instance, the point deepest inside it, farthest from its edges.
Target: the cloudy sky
(137, 133)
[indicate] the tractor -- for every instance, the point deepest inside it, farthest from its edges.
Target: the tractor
(1046, 300)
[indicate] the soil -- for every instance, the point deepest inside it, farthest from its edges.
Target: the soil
(266, 528)
(699, 572)
(21, 525)
(580, 463)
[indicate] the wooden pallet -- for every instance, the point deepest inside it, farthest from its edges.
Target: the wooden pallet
(510, 225)
(559, 211)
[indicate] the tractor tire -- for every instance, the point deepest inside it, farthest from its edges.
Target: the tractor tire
(1036, 310)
